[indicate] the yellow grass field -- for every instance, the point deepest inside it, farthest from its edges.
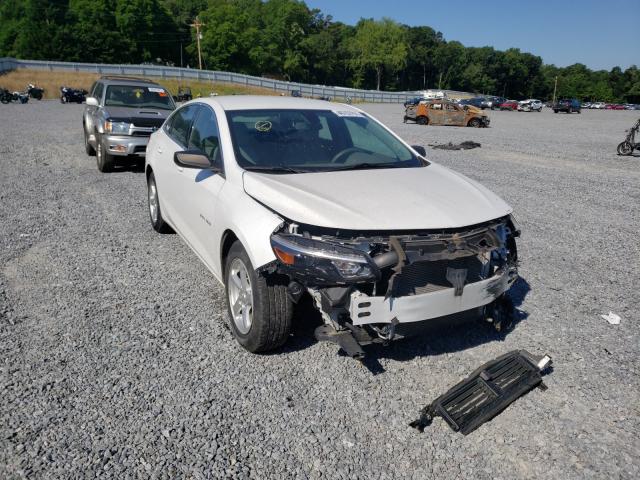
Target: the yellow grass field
(51, 81)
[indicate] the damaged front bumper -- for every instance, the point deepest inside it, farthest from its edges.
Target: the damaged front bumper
(365, 309)
(366, 283)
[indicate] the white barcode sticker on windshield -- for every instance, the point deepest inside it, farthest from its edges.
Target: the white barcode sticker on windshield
(156, 90)
(347, 113)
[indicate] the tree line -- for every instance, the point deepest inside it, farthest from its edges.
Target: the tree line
(286, 39)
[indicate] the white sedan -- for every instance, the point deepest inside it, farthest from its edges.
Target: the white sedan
(283, 197)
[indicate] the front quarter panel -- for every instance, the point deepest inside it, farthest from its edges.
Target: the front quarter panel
(250, 221)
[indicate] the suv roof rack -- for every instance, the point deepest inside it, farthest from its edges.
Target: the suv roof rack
(124, 77)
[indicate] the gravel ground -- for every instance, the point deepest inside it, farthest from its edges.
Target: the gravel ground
(116, 360)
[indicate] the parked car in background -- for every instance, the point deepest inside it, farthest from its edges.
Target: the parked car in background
(567, 105)
(445, 112)
(475, 102)
(491, 102)
(414, 101)
(530, 105)
(613, 106)
(121, 114)
(586, 105)
(509, 105)
(296, 93)
(283, 197)
(597, 105)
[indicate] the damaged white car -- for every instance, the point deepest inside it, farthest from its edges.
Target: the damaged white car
(282, 197)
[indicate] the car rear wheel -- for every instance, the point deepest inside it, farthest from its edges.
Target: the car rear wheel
(155, 213)
(260, 310)
(423, 121)
(474, 122)
(104, 161)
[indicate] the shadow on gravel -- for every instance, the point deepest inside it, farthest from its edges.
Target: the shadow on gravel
(133, 167)
(446, 335)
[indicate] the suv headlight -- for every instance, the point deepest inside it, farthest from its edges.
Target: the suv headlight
(116, 127)
(323, 261)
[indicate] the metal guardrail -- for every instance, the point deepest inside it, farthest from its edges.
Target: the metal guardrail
(7, 64)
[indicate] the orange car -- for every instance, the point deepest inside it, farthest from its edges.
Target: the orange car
(443, 112)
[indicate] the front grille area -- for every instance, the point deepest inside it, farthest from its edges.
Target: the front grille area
(426, 277)
(148, 122)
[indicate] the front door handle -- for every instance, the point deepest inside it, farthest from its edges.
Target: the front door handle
(159, 150)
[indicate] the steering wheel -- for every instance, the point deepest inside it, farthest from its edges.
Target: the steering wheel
(338, 157)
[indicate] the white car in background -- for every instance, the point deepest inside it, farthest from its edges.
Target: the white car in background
(530, 105)
(282, 197)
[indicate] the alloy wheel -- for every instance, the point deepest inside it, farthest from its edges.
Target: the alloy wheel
(240, 296)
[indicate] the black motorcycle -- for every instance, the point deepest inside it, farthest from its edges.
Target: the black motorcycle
(35, 92)
(72, 95)
(629, 145)
(5, 95)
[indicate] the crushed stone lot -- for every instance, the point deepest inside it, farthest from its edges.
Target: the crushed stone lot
(116, 361)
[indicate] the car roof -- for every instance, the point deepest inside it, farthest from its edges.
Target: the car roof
(116, 80)
(263, 102)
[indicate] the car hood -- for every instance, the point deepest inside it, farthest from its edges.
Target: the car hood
(139, 116)
(432, 197)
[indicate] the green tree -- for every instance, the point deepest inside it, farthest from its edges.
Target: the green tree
(378, 45)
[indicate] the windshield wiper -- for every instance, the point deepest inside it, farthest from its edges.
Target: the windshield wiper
(274, 169)
(367, 166)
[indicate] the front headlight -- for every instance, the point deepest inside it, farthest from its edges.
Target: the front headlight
(116, 127)
(323, 261)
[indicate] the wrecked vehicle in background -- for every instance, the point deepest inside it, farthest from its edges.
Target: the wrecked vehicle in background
(283, 198)
(442, 112)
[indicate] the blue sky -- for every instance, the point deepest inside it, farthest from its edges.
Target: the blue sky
(600, 34)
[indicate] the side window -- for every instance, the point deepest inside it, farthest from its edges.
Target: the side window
(180, 123)
(205, 137)
(97, 93)
(436, 106)
(451, 107)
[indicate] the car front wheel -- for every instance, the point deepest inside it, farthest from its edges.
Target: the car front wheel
(259, 308)
(104, 161)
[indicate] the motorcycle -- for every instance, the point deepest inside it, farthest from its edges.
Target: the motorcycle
(68, 95)
(34, 92)
(629, 145)
(5, 96)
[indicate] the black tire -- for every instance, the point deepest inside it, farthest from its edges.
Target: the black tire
(157, 221)
(104, 161)
(271, 308)
(625, 148)
(422, 121)
(474, 123)
(555, 111)
(87, 146)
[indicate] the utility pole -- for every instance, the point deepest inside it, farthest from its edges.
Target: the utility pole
(197, 24)
(555, 86)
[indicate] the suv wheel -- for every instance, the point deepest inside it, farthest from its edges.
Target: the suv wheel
(87, 146)
(260, 310)
(103, 159)
(155, 214)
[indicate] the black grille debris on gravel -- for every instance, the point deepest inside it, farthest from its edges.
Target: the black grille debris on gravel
(486, 392)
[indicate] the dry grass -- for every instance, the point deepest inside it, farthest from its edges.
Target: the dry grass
(51, 81)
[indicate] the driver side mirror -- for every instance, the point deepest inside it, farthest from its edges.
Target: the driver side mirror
(420, 149)
(194, 159)
(92, 101)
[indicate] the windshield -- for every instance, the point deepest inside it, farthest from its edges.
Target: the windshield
(138, 97)
(294, 141)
